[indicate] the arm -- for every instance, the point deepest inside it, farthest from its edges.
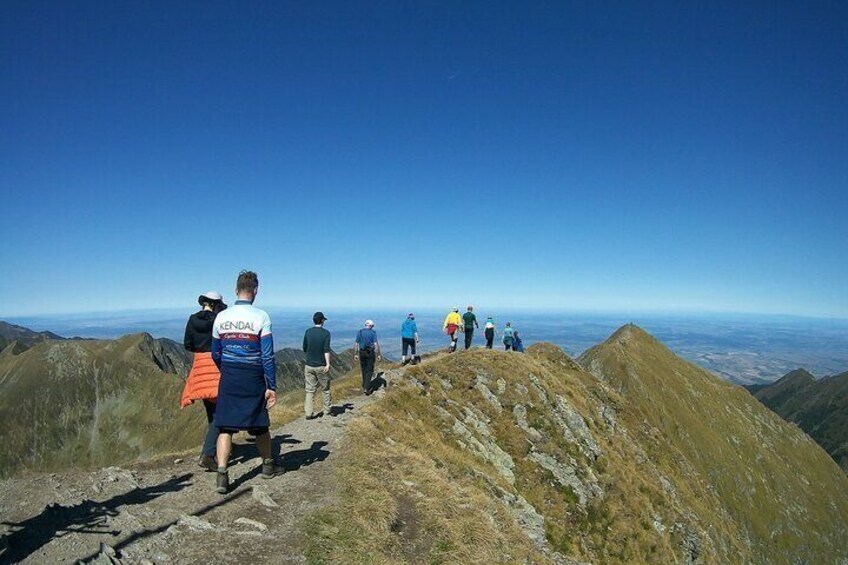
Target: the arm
(378, 350)
(188, 342)
(217, 349)
(266, 341)
(304, 342)
(356, 346)
(327, 354)
(476, 325)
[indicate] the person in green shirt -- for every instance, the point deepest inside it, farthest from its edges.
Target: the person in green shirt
(316, 344)
(469, 321)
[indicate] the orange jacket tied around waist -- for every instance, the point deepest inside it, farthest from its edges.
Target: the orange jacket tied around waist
(202, 381)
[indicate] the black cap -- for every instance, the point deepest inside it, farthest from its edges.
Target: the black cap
(318, 317)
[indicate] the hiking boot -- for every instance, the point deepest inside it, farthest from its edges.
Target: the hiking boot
(207, 462)
(272, 468)
(405, 362)
(312, 416)
(223, 482)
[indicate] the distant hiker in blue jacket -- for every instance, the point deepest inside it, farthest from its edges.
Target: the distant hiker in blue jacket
(409, 339)
(367, 352)
(517, 344)
(508, 336)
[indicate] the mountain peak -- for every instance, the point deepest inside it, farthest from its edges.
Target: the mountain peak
(798, 376)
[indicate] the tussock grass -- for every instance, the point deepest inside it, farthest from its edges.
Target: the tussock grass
(411, 491)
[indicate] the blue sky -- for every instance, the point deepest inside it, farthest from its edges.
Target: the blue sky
(539, 155)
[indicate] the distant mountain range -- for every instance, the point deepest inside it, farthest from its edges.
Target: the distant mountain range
(819, 407)
(84, 403)
(22, 338)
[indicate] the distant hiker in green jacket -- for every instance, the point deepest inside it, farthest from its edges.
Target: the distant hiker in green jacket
(508, 336)
(469, 322)
(316, 371)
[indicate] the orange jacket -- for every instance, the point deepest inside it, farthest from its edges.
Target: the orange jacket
(202, 381)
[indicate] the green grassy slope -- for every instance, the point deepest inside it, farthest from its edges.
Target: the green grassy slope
(820, 408)
(786, 501)
(492, 457)
(91, 403)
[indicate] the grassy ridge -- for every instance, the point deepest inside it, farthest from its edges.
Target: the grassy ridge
(488, 457)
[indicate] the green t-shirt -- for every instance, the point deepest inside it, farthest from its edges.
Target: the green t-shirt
(316, 342)
(470, 320)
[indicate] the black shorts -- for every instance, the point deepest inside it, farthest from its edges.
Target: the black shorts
(408, 342)
(251, 431)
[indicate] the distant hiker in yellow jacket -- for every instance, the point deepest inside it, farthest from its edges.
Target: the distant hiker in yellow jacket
(452, 325)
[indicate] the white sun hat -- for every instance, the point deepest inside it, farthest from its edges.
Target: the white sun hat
(210, 296)
(369, 323)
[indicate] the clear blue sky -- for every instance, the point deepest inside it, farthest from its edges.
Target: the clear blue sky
(665, 156)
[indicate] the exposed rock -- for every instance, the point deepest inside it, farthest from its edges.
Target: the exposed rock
(485, 448)
(566, 475)
(261, 496)
(526, 515)
(483, 387)
(520, 413)
(252, 524)
(196, 524)
(575, 429)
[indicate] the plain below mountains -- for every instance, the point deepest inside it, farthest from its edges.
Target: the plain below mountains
(819, 407)
(75, 403)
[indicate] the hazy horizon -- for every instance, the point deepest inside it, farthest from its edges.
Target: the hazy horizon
(739, 347)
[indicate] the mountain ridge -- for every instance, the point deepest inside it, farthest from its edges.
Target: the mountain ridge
(819, 407)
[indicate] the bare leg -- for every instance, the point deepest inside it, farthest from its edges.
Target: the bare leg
(225, 445)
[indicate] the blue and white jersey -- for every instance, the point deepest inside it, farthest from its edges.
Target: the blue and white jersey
(242, 336)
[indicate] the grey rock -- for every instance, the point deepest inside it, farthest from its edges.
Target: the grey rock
(485, 448)
(196, 524)
(252, 524)
(488, 395)
(575, 429)
(520, 413)
(566, 475)
(261, 496)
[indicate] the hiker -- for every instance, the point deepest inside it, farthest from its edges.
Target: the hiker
(409, 339)
(202, 381)
(517, 344)
(367, 351)
(243, 350)
(451, 326)
(316, 371)
(469, 322)
(508, 335)
(489, 332)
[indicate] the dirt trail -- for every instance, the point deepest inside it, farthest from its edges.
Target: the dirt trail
(170, 513)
